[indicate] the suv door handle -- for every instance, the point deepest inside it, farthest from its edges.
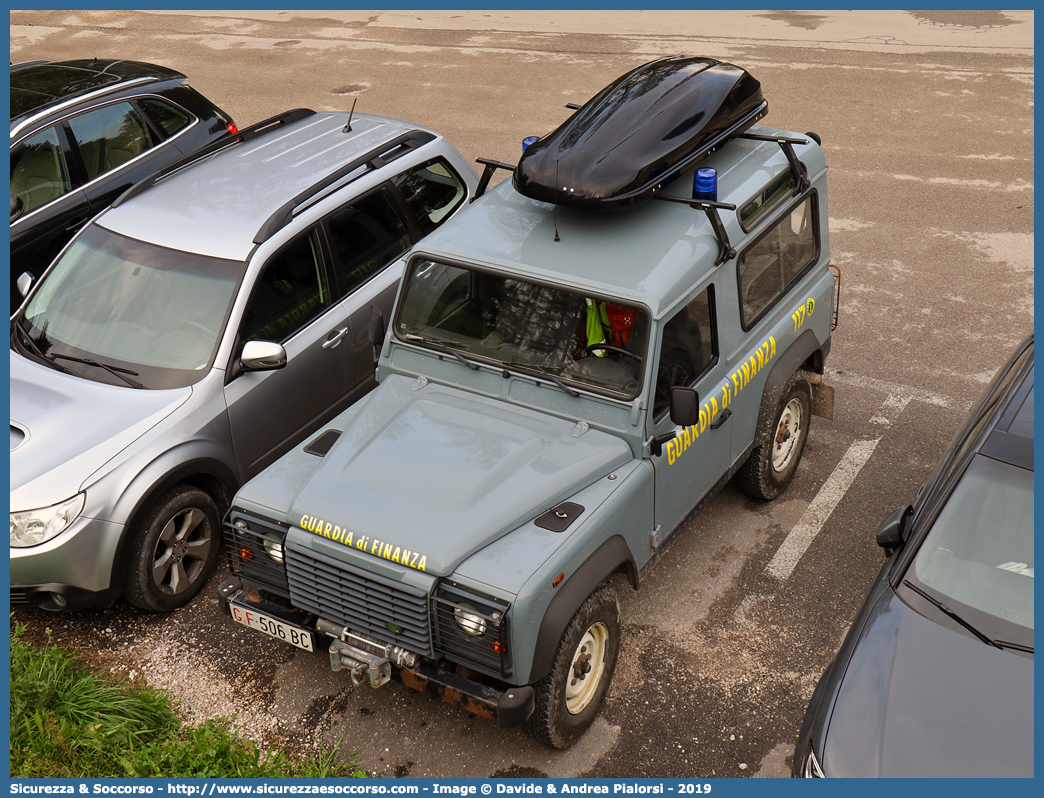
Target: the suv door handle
(722, 418)
(335, 338)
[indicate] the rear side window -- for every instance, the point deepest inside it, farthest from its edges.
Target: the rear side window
(109, 137)
(757, 208)
(166, 117)
(366, 236)
(433, 191)
(770, 266)
(38, 171)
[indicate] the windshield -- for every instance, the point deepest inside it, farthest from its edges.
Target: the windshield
(146, 311)
(586, 341)
(979, 552)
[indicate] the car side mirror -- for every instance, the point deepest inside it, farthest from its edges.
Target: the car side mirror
(685, 406)
(262, 356)
(24, 283)
(17, 207)
(377, 331)
(891, 534)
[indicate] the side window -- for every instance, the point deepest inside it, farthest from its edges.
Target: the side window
(770, 266)
(166, 117)
(290, 292)
(689, 348)
(433, 191)
(366, 236)
(109, 137)
(38, 171)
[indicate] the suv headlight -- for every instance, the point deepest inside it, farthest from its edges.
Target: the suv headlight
(33, 527)
(812, 770)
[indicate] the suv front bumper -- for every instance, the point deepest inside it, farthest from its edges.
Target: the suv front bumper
(509, 707)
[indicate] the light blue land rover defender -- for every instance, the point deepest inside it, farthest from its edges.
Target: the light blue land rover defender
(573, 366)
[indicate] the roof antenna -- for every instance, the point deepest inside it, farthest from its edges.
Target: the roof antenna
(348, 126)
(555, 216)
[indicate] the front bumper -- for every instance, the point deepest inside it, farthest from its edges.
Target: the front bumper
(509, 707)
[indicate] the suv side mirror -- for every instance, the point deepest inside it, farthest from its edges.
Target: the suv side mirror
(262, 356)
(892, 532)
(24, 283)
(17, 206)
(377, 331)
(685, 406)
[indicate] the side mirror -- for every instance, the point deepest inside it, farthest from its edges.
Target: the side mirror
(24, 283)
(892, 532)
(685, 406)
(262, 356)
(17, 207)
(377, 331)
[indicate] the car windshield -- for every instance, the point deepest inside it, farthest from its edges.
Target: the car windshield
(586, 341)
(979, 552)
(144, 311)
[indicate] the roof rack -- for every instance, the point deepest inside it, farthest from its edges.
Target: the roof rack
(375, 159)
(247, 134)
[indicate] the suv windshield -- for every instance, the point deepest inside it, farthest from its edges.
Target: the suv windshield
(143, 310)
(979, 552)
(587, 341)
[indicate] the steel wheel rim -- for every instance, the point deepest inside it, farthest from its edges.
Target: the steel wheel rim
(586, 669)
(788, 433)
(182, 551)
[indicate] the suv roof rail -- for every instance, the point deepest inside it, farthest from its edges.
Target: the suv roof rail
(384, 153)
(27, 64)
(247, 134)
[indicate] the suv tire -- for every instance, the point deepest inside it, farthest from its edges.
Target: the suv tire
(569, 697)
(779, 441)
(175, 550)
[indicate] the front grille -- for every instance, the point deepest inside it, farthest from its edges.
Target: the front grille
(364, 602)
(251, 543)
(486, 645)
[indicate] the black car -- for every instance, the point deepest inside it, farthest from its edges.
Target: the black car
(82, 132)
(935, 677)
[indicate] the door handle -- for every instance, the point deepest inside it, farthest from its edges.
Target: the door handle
(722, 418)
(335, 338)
(75, 226)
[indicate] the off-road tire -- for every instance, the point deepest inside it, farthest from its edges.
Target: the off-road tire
(553, 723)
(779, 441)
(175, 550)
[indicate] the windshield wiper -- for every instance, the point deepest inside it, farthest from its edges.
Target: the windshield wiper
(439, 347)
(116, 371)
(37, 350)
(542, 373)
(951, 614)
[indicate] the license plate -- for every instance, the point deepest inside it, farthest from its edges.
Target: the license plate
(273, 627)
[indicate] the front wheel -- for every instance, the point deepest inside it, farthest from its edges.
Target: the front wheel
(569, 697)
(175, 551)
(780, 442)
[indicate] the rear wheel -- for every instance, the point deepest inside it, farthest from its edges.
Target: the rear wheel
(175, 551)
(780, 441)
(569, 697)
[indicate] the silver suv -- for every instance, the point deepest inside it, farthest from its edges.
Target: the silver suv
(188, 336)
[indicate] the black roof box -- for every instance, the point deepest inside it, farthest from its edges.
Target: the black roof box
(639, 132)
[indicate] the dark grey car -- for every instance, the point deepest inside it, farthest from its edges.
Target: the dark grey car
(193, 333)
(935, 677)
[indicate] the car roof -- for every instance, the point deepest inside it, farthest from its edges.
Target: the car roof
(217, 204)
(37, 86)
(652, 253)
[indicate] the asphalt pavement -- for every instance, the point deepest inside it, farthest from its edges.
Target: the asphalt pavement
(927, 121)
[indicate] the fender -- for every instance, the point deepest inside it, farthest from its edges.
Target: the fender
(806, 352)
(606, 559)
(205, 470)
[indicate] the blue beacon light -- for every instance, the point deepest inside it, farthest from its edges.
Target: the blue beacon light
(705, 184)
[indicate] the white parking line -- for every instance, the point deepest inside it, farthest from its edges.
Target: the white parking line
(804, 532)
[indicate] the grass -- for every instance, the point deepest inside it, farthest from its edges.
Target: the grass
(67, 722)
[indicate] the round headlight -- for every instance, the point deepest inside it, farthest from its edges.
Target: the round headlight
(274, 547)
(472, 623)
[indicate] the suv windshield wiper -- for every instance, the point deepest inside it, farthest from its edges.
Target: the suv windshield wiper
(116, 371)
(35, 347)
(439, 347)
(950, 613)
(543, 373)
